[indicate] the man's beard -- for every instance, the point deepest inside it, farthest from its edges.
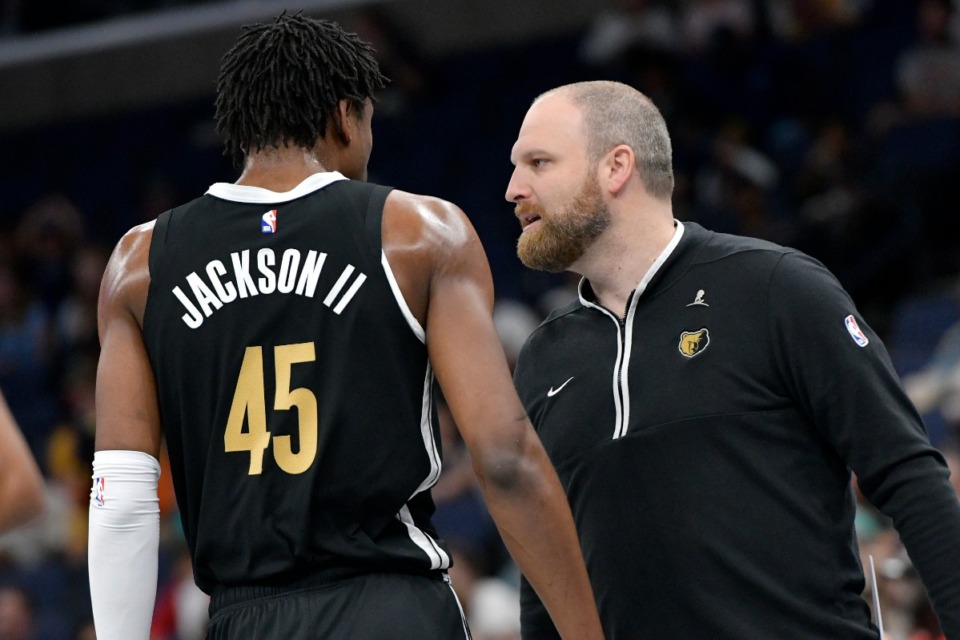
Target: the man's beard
(562, 237)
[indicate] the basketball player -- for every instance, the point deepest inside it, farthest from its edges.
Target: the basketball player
(283, 333)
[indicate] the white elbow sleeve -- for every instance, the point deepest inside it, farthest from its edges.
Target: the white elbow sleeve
(123, 542)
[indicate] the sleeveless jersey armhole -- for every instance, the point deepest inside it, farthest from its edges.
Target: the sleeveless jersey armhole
(374, 220)
(158, 241)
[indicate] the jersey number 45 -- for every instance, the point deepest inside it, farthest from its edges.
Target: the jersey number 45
(249, 400)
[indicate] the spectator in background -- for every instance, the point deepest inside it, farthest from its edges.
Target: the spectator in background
(703, 19)
(915, 139)
(495, 610)
(47, 237)
(490, 602)
(75, 320)
(514, 321)
(650, 25)
(928, 72)
(181, 611)
(70, 450)
(25, 351)
(936, 386)
(412, 78)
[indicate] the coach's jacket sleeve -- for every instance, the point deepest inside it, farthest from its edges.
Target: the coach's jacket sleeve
(535, 622)
(838, 371)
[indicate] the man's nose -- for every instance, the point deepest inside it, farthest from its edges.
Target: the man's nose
(516, 189)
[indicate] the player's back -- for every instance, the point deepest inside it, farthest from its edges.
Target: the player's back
(294, 386)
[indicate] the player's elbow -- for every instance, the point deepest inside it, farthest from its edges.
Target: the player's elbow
(508, 467)
(502, 472)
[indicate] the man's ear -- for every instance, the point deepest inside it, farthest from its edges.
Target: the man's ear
(341, 122)
(617, 167)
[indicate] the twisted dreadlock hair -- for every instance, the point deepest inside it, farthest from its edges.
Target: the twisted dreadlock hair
(282, 82)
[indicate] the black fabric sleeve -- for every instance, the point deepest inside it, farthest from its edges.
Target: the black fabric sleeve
(841, 376)
(535, 622)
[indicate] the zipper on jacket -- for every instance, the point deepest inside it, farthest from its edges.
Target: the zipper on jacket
(621, 379)
(624, 332)
(621, 399)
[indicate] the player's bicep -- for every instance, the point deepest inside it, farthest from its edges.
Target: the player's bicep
(464, 348)
(126, 400)
(128, 414)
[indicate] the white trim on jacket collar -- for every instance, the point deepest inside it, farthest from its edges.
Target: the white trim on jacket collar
(648, 276)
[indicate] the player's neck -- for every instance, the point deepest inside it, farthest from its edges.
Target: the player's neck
(620, 258)
(279, 169)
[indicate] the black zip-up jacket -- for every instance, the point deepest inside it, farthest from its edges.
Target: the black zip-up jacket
(706, 443)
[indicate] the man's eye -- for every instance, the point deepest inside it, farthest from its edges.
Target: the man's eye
(538, 163)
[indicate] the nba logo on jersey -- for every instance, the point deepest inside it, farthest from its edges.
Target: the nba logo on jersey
(855, 331)
(98, 490)
(268, 223)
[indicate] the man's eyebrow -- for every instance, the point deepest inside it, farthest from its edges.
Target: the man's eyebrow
(529, 153)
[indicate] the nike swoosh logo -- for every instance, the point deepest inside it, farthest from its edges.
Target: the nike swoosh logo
(554, 392)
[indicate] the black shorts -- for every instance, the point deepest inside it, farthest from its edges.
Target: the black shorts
(380, 606)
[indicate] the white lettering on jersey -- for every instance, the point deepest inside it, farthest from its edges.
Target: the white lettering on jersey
(226, 292)
(295, 276)
(241, 273)
(208, 300)
(289, 265)
(193, 318)
(352, 291)
(265, 260)
(311, 273)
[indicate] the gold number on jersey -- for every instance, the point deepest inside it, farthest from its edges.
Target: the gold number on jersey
(249, 401)
(306, 404)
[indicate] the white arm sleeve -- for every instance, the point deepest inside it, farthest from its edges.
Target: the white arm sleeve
(123, 543)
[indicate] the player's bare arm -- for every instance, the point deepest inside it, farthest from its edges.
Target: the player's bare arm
(127, 414)
(124, 512)
(21, 485)
(443, 272)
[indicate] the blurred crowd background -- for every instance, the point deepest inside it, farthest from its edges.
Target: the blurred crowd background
(832, 126)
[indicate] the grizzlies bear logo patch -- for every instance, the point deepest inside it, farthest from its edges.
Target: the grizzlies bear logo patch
(693, 342)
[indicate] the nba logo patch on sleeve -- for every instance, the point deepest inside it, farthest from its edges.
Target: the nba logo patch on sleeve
(268, 223)
(98, 491)
(855, 331)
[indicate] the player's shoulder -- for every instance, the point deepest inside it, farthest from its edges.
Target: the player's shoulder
(426, 219)
(422, 206)
(127, 276)
(135, 241)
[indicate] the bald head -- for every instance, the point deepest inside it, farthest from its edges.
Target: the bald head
(614, 113)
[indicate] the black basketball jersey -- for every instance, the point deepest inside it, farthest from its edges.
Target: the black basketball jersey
(294, 386)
